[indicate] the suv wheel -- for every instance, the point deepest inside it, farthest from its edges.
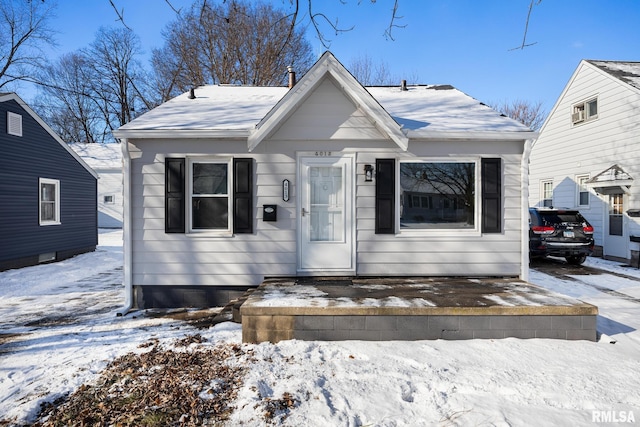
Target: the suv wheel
(576, 260)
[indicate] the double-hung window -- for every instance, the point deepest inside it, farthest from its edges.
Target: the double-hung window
(546, 193)
(49, 201)
(438, 195)
(209, 191)
(209, 195)
(583, 190)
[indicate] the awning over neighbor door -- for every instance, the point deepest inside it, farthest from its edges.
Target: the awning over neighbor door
(613, 180)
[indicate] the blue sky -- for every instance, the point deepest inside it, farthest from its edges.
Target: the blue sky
(465, 43)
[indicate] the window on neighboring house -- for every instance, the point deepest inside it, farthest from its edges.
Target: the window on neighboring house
(49, 201)
(209, 190)
(546, 193)
(109, 199)
(584, 111)
(583, 190)
(438, 195)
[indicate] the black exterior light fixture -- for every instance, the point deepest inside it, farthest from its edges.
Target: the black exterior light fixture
(368, 173)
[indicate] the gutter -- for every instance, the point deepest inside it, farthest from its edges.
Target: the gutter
(126, 229)
(524, 239)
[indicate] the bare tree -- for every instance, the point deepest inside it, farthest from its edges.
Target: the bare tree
(370, 73)
(69, 105)
(236, 42)
(24, 32)
(97, 89)
(528, 113)
(118, 77)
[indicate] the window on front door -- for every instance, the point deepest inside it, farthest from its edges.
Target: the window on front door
(616, 209)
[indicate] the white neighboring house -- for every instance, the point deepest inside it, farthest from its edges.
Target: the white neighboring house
(106, 160)
(588, 154)
(229, 185)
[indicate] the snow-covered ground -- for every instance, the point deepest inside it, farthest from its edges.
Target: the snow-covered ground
(59, 329)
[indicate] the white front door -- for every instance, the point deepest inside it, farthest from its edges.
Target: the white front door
(325, 212)
(616, 241)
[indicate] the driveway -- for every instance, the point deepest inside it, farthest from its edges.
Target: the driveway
(586, 275)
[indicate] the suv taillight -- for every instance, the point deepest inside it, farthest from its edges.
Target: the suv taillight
(587, 229)
(540, 229)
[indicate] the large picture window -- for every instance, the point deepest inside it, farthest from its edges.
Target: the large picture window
(438, 195)
(209, 194)
(49, 201)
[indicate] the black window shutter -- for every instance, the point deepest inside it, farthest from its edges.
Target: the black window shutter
(385, 196)
(243, 195)
(174, 195)
(491, 195)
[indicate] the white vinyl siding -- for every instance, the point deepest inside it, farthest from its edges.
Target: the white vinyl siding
(271, 250)
(454, 254)
(564, 151)
(327, 115)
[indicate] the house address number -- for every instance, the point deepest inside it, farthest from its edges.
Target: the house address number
(323, 153)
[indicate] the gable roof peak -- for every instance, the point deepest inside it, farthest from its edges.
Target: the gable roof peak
(328, 66)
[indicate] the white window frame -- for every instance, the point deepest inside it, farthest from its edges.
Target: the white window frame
(56, 202)
(581, 112)
(581, 187)
(189, 196)
(475, 231)
(543, 192)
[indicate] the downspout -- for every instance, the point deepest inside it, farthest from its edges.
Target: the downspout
(524, 191)
(126, 229)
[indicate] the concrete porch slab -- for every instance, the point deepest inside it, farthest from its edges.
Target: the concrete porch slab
(319, 308)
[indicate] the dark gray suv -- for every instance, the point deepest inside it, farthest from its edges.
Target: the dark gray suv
(559, 232)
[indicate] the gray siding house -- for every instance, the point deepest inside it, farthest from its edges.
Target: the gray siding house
(47, 192)
(229, 185)
(588, 155)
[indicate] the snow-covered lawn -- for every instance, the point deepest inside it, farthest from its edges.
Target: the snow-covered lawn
(59, 329)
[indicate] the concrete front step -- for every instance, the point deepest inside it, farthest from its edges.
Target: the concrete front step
(412, 309)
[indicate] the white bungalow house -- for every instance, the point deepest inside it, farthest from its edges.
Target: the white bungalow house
(228, 185)
(588, 154)
(106, 160)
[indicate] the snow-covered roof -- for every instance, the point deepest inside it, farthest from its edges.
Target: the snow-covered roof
(240, 108)
(253, 112)
(628, 72)
(100, 156)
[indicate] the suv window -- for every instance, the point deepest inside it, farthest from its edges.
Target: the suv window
(561, 218)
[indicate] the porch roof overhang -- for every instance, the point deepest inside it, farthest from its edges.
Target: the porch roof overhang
(613, 180)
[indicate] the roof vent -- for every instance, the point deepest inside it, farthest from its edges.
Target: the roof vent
(192, 93)
(14, 124)
(292, 76)
(403, 85)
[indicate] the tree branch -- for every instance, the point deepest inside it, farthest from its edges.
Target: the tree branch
(526, 27)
